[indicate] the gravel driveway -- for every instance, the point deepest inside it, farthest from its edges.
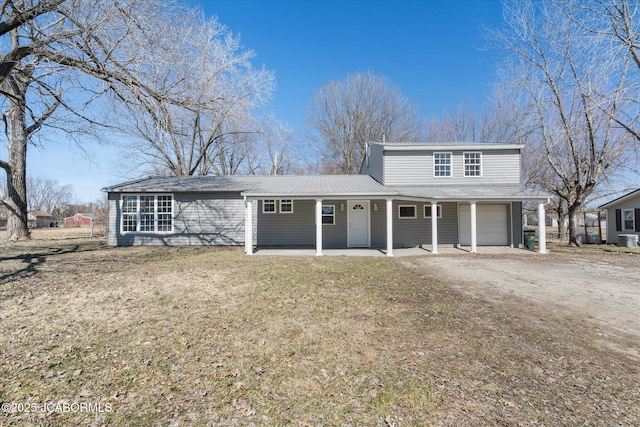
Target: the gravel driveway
(587, 285)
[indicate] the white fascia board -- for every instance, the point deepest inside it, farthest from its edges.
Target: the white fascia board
(313, 196)
(505, 199)
(620, 199)
(467, 147)
(173, 190)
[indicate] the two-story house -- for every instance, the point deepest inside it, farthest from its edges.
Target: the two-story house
(407, 195)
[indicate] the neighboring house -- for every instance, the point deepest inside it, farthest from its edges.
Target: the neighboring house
(623, 215)
(78, 220)
(408, 194)
(39, 219)
(550, 220)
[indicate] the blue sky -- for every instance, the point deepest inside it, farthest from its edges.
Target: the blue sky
(433, 50)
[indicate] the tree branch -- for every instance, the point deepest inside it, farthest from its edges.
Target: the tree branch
(22, 17)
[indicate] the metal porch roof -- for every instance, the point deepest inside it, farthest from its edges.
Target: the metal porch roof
(471, 192)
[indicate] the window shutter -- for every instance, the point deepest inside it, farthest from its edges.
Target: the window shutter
(618, 220)
(637, 213)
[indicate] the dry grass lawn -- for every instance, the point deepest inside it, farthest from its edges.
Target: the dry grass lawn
(209, 336)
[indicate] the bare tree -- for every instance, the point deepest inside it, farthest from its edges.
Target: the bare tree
(494, 122)
(47, 193)
(559, 74)
(614, 26)
(14, 19)
(215, 128)
(363, 107)
(75, 52)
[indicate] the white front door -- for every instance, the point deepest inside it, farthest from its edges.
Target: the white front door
(358, 223)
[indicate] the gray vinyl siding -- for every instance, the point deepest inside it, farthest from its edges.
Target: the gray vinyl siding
(374, 167)
(299, 228)
(416, 168)
(218, 219)
(113, 223)
(516, 224)
(198, 219)
(412, 232)
(378, 224)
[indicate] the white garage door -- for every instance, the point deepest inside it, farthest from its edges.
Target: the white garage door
(492, 225)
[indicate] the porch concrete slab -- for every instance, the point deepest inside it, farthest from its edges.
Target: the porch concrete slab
(401, 252)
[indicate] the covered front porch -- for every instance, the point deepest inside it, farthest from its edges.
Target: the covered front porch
(398, 252)
(380, 226)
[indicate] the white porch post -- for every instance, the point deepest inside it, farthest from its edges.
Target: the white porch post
(318, 227)
(473, 228)
(248, 228)
(246, 222)
(542, 233)
(434, 227)
(389, 227)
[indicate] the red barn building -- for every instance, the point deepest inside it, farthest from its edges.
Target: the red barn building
(78, 220)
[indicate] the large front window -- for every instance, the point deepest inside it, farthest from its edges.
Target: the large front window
(147, 213)
(441, 164)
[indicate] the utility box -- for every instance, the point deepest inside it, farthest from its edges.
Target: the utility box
(628, 240)
(530, 239)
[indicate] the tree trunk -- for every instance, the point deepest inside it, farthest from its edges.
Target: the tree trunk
(561, 228)
(575, 237)
(16, 201)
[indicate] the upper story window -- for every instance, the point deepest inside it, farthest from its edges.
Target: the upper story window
(441, 164)
(147, 213)
(286, 206)
(269, 206)
(473, 164)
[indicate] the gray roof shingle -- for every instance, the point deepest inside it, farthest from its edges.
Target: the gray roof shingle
(323, 185)
(185, 184)
(273, 185)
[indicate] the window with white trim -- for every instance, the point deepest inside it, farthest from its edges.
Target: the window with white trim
(147, 213)
(441, 164)
(328, 214)
(286, 206)
(129, 219)
(427, 211)
(473, 164)
(407, 211)
(269, 206)
(164, 211)
(628, 220)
